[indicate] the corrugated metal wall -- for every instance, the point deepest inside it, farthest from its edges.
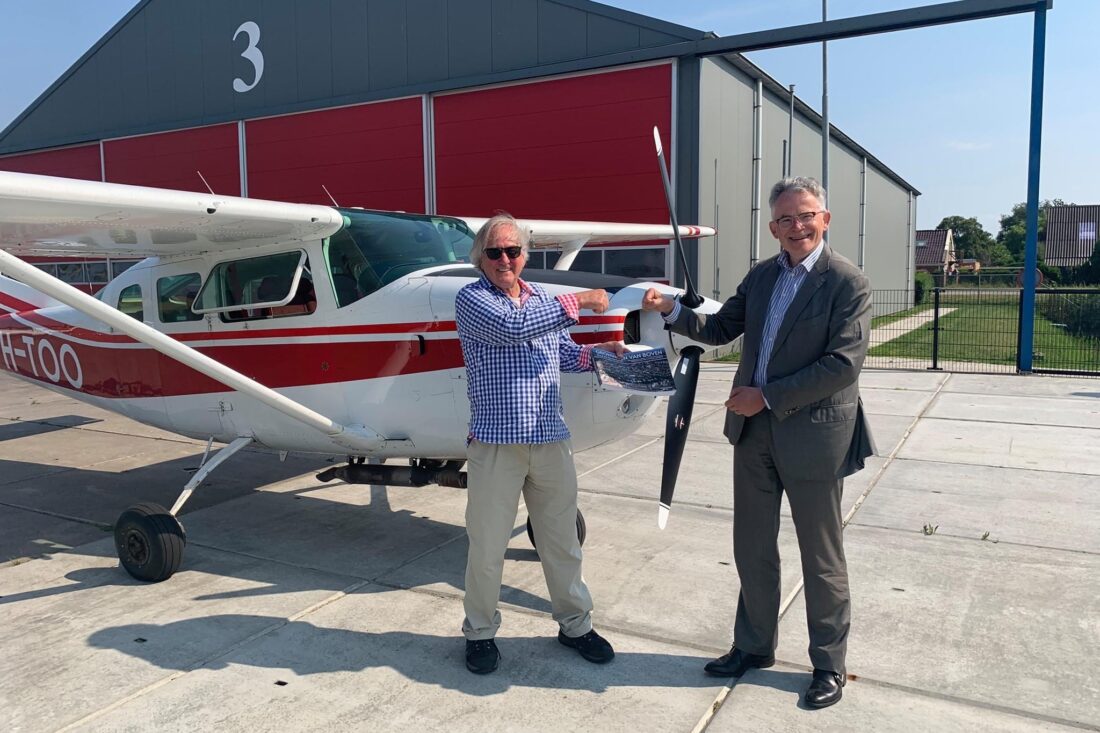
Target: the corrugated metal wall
(726, 136)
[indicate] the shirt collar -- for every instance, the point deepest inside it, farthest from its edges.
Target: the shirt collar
(525, 290)
(808, 262)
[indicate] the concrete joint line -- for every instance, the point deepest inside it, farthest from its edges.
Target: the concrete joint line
(643, 446)
(708, 716)
(619, 458)
(966, 538)
(1005, 422)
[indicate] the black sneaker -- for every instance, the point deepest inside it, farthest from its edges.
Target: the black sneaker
(482, 656)
(591, 646)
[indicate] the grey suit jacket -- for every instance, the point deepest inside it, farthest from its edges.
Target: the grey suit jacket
(812, 383)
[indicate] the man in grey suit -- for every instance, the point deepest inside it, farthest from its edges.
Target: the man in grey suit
(796, 417)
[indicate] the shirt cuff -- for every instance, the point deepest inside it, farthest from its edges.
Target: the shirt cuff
(585, 358)
(570, 305)
(674, 314)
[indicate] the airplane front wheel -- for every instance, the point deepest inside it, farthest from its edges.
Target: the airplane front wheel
(149, 542)
(582, 530)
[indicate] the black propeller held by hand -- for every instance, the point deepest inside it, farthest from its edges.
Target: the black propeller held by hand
(677, 422)
(681, 403)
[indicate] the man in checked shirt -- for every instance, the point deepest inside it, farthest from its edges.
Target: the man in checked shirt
(515, 341)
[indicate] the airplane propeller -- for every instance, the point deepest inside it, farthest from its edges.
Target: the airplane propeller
(686, 376)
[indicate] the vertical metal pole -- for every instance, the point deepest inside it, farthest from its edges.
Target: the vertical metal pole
(789, 162)
(825, 111)
(1027, 297)
(1019, 330)
(757, 170)
(863, 214)
(242, 154)
(935, 329)
(716, 291)
(910, 235)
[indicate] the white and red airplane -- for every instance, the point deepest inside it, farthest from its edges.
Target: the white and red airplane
(297, 327)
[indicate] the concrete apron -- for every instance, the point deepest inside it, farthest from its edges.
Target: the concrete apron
(320, 606)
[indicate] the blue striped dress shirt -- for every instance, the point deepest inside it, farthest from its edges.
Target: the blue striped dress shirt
(786, 287)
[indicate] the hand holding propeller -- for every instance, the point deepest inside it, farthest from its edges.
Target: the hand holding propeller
(686, 377)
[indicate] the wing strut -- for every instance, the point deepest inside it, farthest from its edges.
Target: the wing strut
(356, 439)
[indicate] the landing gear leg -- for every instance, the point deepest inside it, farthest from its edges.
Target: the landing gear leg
(150, 539)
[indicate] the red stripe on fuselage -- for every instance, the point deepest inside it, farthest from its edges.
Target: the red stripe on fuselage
(17, 305)
(107, 371)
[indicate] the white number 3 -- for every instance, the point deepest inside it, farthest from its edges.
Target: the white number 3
(251, 54)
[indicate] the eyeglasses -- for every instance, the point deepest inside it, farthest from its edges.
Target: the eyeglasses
(494, 253)
(805, 219)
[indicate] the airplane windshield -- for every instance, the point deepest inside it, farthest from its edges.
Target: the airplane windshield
(375, 248)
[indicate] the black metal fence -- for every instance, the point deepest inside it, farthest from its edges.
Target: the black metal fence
(977, 330)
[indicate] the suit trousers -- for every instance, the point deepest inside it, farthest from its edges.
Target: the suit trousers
(758, 486)
(546, 476)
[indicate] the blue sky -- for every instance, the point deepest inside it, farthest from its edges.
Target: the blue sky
(947, 107)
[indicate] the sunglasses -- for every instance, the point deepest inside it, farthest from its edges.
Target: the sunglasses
(494, 253)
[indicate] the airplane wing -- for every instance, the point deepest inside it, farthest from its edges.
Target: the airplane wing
(549, 233)
(44, 215)
(571, 236)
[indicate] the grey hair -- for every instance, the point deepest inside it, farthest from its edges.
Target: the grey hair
(481, 241)
(798, 184)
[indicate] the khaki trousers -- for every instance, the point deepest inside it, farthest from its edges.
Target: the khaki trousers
(545, 474)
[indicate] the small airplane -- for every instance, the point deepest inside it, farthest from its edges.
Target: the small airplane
(297, 327)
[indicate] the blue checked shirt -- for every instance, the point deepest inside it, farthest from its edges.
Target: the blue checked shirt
(514, 354)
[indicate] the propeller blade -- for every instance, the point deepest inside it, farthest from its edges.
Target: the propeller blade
(677, 422)
(690, 297)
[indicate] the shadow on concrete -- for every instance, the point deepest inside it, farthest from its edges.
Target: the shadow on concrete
(785, 681)
(366, 542)
(305, 649)
(24, 429)
(100, 496)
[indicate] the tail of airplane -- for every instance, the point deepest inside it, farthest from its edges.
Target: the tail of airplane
(17, 297)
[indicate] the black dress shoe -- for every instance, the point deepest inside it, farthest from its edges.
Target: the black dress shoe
(591, 646)
(825, 690)
(482, 656)
(737, 662)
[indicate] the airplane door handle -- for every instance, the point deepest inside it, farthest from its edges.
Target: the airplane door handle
(423, 344)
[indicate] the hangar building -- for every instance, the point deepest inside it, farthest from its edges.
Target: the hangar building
(543, 108)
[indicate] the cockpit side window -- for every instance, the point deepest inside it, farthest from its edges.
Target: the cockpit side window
(130, 303)
(175, 296)
(257, 284)
(376, 248)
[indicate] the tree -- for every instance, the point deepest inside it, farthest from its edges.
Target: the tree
(1013, 234)
(1088, 272)
(972, 241)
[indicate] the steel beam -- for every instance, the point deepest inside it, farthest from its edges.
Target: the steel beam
(864, 25)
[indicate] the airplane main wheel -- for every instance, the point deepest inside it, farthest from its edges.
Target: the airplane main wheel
(149, 542)
(582, 530)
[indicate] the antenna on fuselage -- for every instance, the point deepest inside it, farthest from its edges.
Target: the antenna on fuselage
(203, 179)
(330, 198)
